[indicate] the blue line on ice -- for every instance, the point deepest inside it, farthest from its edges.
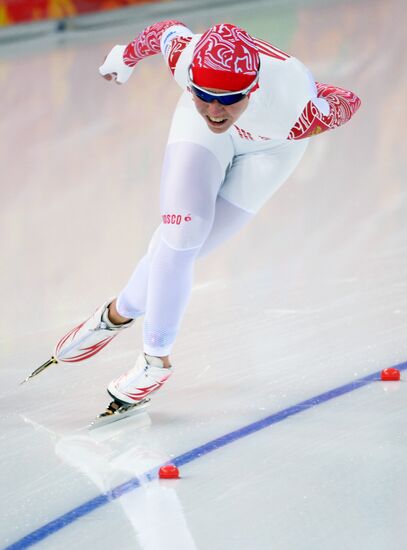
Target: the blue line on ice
(80, 511)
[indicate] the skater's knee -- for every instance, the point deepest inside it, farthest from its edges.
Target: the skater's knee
(185, 230)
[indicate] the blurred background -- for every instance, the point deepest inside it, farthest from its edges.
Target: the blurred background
(20, 11)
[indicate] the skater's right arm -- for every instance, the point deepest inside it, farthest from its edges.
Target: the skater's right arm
(169, 36)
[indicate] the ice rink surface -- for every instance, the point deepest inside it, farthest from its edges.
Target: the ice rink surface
(311, 297)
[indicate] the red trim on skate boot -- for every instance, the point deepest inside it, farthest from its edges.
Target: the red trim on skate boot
(143, 392)
(72, 333)
(90, 351)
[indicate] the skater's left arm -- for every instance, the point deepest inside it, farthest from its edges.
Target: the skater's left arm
(331, 108)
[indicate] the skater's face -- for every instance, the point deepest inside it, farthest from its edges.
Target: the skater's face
(218, 117)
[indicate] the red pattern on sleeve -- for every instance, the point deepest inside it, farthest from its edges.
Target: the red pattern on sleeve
(343, 104)
(148, 42)
(178, 45)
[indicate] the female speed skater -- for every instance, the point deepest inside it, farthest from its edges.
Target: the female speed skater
(239, 130)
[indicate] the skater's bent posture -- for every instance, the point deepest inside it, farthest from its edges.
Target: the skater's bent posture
(240, 128)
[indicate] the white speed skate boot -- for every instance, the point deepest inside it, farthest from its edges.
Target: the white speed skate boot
(88, 338)
(131, 390)
(85, 340)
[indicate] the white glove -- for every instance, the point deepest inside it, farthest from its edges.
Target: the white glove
(115, 66)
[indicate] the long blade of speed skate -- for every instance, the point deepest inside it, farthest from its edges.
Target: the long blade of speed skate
(52, 361)
(122, 412)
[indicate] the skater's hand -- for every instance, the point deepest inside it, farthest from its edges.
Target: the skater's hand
(114, 68)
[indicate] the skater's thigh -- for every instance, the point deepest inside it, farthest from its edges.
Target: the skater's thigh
(188, 126)
(253, 177)
(194, 168)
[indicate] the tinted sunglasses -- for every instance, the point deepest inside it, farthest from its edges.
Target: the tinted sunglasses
(225, 98)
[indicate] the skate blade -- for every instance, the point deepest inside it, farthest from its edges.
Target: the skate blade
(105, 419)
(52, 361)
